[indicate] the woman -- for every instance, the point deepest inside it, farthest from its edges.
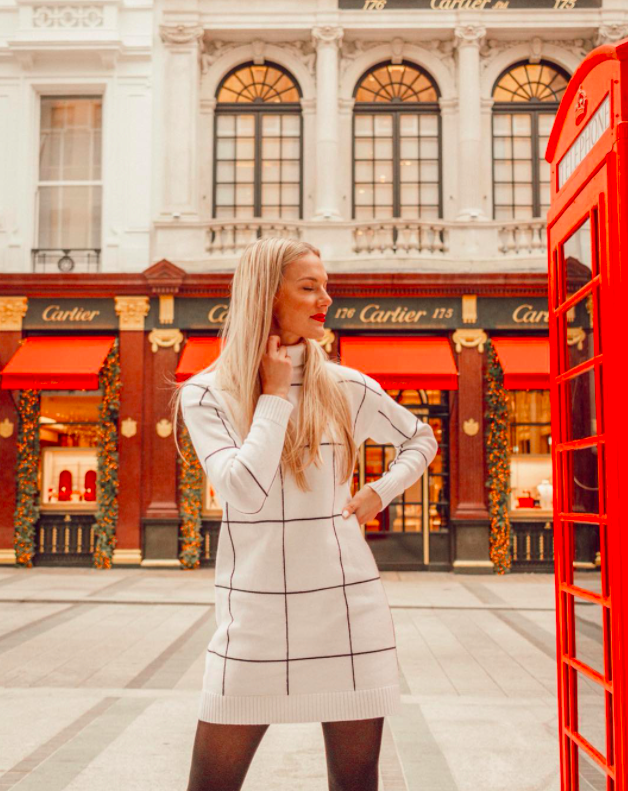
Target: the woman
(304, 631)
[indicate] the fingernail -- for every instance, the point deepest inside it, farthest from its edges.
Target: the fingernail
(345, 513)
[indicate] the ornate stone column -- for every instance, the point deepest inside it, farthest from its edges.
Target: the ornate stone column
(469, 515)
(12, 311)
(468, 41)
(327, 41)
(181, 78)
(132, 312)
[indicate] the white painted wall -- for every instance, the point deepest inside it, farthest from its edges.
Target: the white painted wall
(145, 58)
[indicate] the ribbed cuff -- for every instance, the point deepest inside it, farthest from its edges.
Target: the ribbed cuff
(275, 408)
(386, 487)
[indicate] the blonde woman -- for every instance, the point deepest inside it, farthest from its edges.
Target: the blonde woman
(304, 630)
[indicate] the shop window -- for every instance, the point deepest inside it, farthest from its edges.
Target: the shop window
(425, 504)
(69, 193)
(68, 441)
(526, 97)
(396, 144)
(258, 144)
(530, 446)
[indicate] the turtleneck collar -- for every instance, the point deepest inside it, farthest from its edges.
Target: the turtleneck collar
(296, 352)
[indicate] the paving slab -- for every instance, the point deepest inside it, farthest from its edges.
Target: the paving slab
(100, 673)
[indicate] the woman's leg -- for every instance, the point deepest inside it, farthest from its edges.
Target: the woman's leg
(352, 751)
(222, 755)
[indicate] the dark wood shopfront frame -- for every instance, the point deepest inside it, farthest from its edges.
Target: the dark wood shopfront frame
(148, 523)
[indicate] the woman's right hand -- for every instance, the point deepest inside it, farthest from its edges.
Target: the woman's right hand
(276, 369)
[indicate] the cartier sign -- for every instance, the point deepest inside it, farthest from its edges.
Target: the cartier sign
(58, 314)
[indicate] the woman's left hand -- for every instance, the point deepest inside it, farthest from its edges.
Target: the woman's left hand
(365, 504)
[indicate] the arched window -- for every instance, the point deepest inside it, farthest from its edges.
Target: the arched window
(526, 97)
(258, 149)
(396, 144)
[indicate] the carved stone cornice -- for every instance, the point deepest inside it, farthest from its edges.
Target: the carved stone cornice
(579, 47)
(165, 339)
(132, 312)
(305, 51)
(12, 311)
(611, 32)
(180, 35)
(469, 35)
(327, 36)
(470, 339)
(215, 49)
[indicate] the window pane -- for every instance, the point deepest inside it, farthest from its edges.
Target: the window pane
(291, 125)
(581, 493)
(429, 148)
(409, 148)
(578, 257)
(429, 194)
(244, 171)
(244, 195)
(383, 125)
(290, 171)
(429, 171)
(224, 195)
(225, 148)
(271, 170)
(383, 194)
(591, 775)
(429, 125)
(410, 194)
(383, 148)
(70, 139)
(290, 195)
(408, 125)
(502, 124)
(271, 125)
(522, 147)
(521, 124)
(245, 148)
(364, 149)
(383, 171)
(290, 148)
(363, 125)
(502, 148)
(69, 217)
(589, 634)
(363, 171)
(364, 195)
(225, 125)
(225, 171)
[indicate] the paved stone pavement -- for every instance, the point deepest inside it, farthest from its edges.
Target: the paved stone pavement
(100, 673)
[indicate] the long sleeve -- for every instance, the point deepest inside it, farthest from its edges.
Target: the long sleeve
(413, 439)
(242, 475)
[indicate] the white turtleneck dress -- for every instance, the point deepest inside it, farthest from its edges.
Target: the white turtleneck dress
(304, 630)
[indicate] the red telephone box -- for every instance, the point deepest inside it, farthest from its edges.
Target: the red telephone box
(588, 307)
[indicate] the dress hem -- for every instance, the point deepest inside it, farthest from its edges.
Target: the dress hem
(316, 707)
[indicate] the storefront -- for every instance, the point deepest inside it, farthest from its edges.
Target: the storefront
(423, 336)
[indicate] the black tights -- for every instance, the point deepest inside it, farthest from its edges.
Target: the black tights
(223, 754)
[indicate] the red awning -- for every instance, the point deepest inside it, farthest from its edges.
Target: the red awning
(198, 353)
(406, 362)
(525, 361)
(66, 362)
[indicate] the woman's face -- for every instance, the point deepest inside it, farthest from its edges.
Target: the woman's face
(302, 295)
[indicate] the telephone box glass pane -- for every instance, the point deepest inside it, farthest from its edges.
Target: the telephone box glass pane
(581, 494)
(589, 634)
(580, 401)
(591, 712)
(585, 543)
(592, 776)
(578, 258)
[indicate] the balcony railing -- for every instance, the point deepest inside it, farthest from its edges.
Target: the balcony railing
(229, 238)
(400, 237)
(522, 237)
(446, 241)
(64, 261)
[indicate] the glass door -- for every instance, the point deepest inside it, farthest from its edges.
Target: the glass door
(422, 511)
(584, 600)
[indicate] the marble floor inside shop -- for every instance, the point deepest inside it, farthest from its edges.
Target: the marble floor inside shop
(100, 673)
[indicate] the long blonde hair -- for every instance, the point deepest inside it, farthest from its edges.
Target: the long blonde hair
(258, 277)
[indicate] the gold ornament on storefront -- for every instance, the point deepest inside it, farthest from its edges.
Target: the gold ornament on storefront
(470, 339)
(132, 312)
(469, 308)
(128, 427)
(165, 339)
(6, 428)
(164, 428)
(12, 311)
(471, 427)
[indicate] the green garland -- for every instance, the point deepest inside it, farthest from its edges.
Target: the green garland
(107, 476)
(190, 503)
(498, 463)
(27, 494)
